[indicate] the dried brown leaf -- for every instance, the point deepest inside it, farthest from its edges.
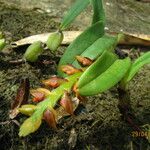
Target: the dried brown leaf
(69, 36)
(49, 117)
(84, 60)
(21, 97)
(69, 69)
(54, 82)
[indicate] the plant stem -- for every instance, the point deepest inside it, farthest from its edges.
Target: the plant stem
(55, 95)
(31, 124)
(124, 98)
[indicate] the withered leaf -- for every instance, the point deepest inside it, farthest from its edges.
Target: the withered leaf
(54, 81)
(61, 112)
(69, 36)
(49, 116)
(21, 97)
(84, 61)
(69, 69)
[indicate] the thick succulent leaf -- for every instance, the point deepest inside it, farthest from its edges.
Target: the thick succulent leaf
(33, 51)
(97, 68)
(54, 40)
(74, 11)
(140, 62)
(80, 44)
(107, 79)
(99, 14)
(98, 47)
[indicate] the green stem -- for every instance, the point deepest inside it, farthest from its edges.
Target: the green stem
(31, 124)
(55, 95)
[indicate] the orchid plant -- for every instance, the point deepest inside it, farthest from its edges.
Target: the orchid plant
(88, 67)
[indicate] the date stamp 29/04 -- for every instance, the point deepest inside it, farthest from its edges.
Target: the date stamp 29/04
(140, 134)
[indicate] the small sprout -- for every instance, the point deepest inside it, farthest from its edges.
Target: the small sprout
(49, 116)
(67, 103)
(84, 60)
(27, 109)
(54, 82)
(54, 40)
(69, 69)
(33, 51)
(2, 44)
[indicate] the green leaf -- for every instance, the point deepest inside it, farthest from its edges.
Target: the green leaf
(98, 47)
(74, 11)
(99, 14)
(97, 68)
(80, 44)
(140, 62)
(107, 79)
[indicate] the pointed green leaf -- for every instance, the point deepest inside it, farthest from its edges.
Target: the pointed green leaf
(97, 68)
(99, 14)
(80, 44)
(140, 62)
(107, 79)
(98, 47)
(74, 11)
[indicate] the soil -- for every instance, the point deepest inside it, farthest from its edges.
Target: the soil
(99, 126)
